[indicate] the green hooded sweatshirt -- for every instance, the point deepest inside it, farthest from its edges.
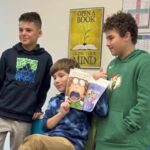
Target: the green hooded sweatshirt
(127, 126)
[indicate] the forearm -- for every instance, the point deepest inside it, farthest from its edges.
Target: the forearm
(53, 121)
(101, 108)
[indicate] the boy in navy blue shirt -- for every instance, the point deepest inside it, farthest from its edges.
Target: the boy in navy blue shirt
(24, 81)
(65, 128)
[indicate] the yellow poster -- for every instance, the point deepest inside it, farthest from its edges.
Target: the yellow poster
(85, 36)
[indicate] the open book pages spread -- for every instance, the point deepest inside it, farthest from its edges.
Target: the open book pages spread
(83, 91)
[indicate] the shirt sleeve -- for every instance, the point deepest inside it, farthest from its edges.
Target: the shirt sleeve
(48, 114)
(101, 108)
(44, 87)
(2, 70)
(139, 114)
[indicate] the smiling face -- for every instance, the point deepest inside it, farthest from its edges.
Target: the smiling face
(116, 43)
(60, 80)
(29, 33)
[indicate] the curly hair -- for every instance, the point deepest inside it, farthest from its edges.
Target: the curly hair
(122, 23)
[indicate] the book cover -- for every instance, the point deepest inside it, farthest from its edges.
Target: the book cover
(77, 87)
(83, 91)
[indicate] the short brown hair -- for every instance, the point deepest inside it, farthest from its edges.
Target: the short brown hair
(31, 17)
(122, 23)
(64, 64)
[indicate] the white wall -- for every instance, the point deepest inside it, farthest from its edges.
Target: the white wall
(55, 17)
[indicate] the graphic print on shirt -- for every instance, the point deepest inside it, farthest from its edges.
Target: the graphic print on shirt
(26, 69)
(115, 81)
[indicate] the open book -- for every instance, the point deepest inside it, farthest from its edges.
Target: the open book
(83, 91)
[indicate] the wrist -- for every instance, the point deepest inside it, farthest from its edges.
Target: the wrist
(61, 114)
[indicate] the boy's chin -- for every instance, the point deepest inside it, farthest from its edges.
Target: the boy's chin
(61, 91)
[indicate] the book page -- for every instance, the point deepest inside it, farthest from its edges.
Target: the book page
(95, 90)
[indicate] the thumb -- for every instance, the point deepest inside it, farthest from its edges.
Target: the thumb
(101, 70)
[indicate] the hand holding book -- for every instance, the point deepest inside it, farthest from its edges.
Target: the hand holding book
(99, 74)
(83, 91)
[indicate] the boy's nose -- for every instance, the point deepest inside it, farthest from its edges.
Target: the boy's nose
(57, 80)
(107, 43)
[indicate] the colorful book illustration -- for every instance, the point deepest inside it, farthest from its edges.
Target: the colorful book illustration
(95, 90)
(77, 87)
(83, 91)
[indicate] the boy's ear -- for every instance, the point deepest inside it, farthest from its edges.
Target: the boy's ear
(127, 36)
(40, 33)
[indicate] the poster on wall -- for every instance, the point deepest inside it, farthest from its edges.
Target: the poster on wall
(140, 10)
(85, 36)
(143, 42)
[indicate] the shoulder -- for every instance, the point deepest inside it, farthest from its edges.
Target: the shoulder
(112, 62)
(56, 99)
(143, 58)
(47, 57)
(8, 52)
(46, 53)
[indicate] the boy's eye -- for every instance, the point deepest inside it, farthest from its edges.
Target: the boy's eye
(61, 75)
(28, 30)
(110, 37)
(20, 30)
(54, 78)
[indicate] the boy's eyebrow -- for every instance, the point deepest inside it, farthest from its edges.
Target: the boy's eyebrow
(109, 36)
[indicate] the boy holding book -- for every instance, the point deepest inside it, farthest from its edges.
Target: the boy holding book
(65, 128)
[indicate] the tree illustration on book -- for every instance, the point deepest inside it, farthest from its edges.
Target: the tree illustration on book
(85, 45)
(83, 91)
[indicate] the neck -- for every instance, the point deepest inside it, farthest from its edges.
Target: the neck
(127, 51)
(29, 48)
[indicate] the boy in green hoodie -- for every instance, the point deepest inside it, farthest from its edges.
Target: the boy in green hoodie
(127, 126)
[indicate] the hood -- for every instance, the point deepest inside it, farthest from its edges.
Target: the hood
(132, 55)
(18, 47)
